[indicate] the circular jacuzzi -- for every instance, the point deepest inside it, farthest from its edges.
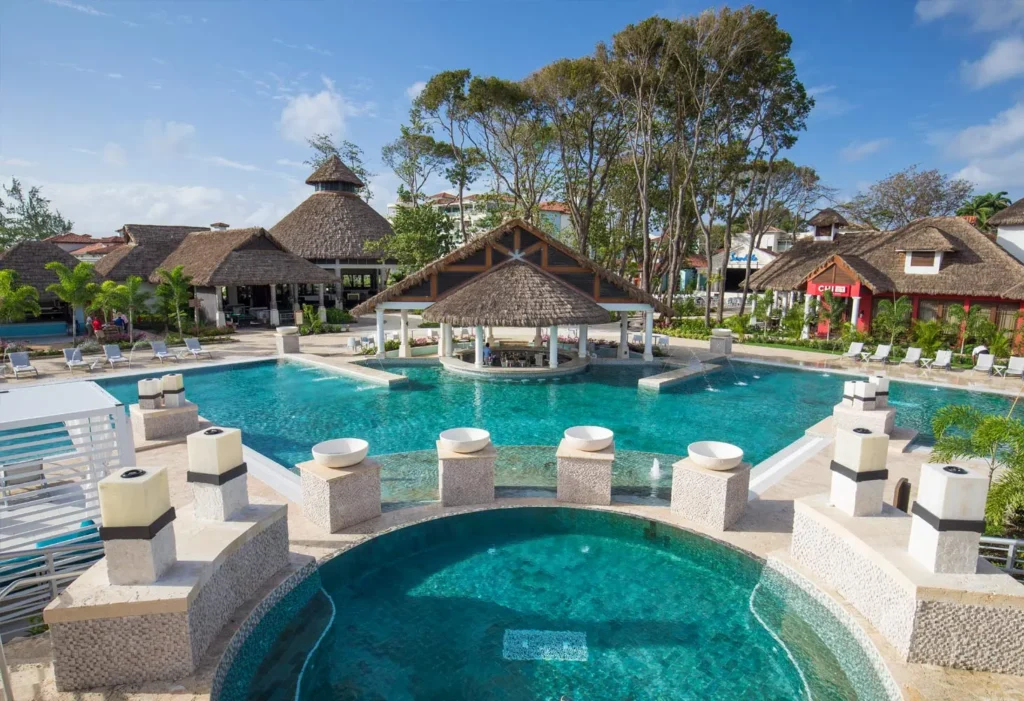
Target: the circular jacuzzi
(548, 603)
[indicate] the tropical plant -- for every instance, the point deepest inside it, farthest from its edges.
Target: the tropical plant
(134, 299)
(984, 206)
(929, 336)
(173, 291)
(17, 301)
(311, 320)
(105, 301)
(999, 344)
(76, 287)
(833, 308)
(738, 324)
(965, 432)
(810, 315)
(892, 318)
(793, 322)
(974, 325)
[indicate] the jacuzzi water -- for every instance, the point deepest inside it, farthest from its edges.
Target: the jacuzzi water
(284, 408)
(548, 603)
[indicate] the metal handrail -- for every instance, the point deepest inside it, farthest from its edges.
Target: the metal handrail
(1007, 549)
(53, 578)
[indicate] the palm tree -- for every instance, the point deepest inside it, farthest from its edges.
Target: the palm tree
(893, 316)
(135, 299)
(984, 206)
(74, 287)
(16, 301)
(173, 288)
(106, 299)
(833, 309)
(975, 323)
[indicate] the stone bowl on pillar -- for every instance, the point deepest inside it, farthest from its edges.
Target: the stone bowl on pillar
(588, 438)
(715, 455)
(340, 452)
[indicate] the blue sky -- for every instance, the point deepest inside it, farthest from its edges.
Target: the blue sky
(193, 112)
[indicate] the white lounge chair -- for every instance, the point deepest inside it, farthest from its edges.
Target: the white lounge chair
(73, 359)
(193, 346)
(20, 364)
(881, 354)
(854, 351)
(913, 357)
(984, 364)
(1015, 368)
(161, 353)
(113, 355)
(943, 360)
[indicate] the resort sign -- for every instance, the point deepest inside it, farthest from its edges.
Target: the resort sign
(835, 289)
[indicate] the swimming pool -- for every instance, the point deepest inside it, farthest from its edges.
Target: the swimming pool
(548, 603)
(284, 407)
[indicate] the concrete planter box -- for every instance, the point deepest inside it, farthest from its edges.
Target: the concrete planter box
(416, 351)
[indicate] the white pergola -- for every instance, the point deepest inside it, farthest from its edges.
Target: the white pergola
(447, 347)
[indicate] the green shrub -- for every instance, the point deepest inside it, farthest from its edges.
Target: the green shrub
(429, 325)
(687, 307)
(338, 316)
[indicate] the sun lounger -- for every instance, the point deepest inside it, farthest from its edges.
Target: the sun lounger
(73, 359)
(943, 360)
(1015, 367)
(854, 351)
(913, 357)
(114, 356)
(984, 363)
(193, 346)
(881, 355)
(20, 364)
(160, 351)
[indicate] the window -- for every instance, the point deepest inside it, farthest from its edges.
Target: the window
(922, 259)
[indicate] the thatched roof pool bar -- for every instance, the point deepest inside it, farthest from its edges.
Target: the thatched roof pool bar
(515, 275)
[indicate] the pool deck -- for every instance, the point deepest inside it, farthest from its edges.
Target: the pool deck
(764, 529)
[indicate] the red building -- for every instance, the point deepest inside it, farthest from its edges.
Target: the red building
(936, 262)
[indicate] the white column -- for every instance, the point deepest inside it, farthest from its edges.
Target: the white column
(490, 334)
(403, 350)
(553, 346)
(855, 312)
(623, 336)
(479, 342)
(380, 332)
(322, 311)
(275, 316)
(446, 340)
(295, 298)
(806, 332)
(649, 335)
(537, 340)
(583, 341)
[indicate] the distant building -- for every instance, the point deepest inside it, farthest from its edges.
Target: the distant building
(476, 208)
(76, 243)
(1009, 226)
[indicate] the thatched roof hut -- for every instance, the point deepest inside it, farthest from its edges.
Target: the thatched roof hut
(828, 217)
(29, 259)
(1011, 216)
(145, 248)
(240, 257)
(333, 222)
(515, 239)
(516, 293)
(972, 264)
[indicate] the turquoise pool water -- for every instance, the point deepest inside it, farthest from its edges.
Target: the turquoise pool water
(548, 603)
(283, 408)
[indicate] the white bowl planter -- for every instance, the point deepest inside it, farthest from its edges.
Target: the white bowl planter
(465, 440)
(588, 438)
(715, 455)
(340, 452)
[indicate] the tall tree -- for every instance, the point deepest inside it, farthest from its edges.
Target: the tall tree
(421, 234)
(984, 206)
(351, 155)
(900, 198)
(414, 156)
(444, 102)
(17, 301)
(26, 216)
(589, 129)
(76, 287)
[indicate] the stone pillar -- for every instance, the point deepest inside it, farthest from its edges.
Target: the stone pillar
(294, 289)
(478, 342)
(623, 336)
(649, 335)
(538, 341)
(855, 312)
(583, 341)
(585, 477)
(858, 471)
(217, 473)
(321, 310)
(339, 295)
(553, 347)
(336, 498)
(220, 319)
(275, 316)
(713, 498)
(172, 387)
(449, 342)
(859, 409)
(287, 339)
(806, 331)
(151, 394)
(721, 341)
(466, 478)
(380, 332)
(948, 518)
(403, 350)
(136, 515)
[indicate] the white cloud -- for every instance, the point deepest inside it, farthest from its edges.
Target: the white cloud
(385, 191)
(858, 150)
(75, 67)
(414, 90)
(86, 151)
(1002, 133)
(16, 162)
(227, 163)
(159, 61)
(307, 47)
(291, 164)
(1004, 60)
(115, 76)
(169, 138)
(816, 90)
(114, 155)
(305, 115)
(984, 15)
(85, 9)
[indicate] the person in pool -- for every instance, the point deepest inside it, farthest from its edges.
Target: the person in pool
(487, 354)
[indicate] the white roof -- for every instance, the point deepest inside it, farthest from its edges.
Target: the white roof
(40, 404)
